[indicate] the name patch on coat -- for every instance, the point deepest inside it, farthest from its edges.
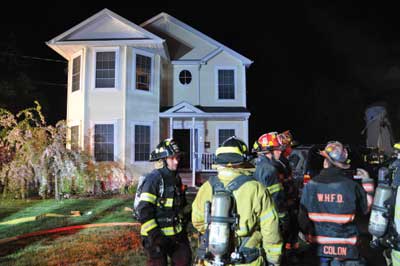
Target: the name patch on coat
(335, 251)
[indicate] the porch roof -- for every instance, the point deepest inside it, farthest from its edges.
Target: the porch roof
(186, 110)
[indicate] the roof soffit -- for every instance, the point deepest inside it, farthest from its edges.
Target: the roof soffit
(105, 25)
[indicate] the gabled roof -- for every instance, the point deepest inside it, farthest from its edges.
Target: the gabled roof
(106, 28)
(185, 109)
(220, 47)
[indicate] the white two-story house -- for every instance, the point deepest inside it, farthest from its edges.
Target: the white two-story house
(130, 86)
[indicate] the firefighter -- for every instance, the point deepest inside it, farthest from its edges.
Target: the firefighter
(160, 208)
(328, 208)
(384, 224)
(256, 232)
(282, 164)
(268, 148)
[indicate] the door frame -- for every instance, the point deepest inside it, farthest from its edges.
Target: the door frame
(199, 126)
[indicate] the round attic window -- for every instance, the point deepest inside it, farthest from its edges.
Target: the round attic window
(185, 77)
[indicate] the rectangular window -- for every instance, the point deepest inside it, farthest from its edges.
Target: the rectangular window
(104, 142)
(76, 73)
(75, 137)
(143, 72)
(105, 70)
(142, 143)
(224, 134)
(226, 84)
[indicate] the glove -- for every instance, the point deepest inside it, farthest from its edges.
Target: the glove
(157, 238)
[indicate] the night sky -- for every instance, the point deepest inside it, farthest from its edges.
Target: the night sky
(315, 68)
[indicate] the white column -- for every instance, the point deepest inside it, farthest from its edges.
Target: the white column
(171, 127)
(246, 131)
(193, 153)
(123, 142)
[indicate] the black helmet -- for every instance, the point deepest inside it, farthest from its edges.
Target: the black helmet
(232, 151)
(166, 148)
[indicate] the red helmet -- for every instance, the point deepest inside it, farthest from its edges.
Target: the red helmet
(268, 142)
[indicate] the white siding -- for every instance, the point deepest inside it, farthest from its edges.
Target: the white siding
(212, 132)
(141, 108)
(208, 81)
(76, 99)
(188, 92)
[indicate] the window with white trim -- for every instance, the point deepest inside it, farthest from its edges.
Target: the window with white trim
(105, 70)
(226, 84)
(74, 137)
(185, 77)
(143, 72)
(76, 73)
(104, 142)
(142, 143)
(224, 134)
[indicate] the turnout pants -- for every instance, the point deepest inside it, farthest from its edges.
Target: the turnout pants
(178, 250)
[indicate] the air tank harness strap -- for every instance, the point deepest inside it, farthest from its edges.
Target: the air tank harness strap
(248, 255)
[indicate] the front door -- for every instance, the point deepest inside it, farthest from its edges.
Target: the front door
(182, 138)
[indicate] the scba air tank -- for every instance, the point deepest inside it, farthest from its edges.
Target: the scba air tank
(219, 228)
(379, 219)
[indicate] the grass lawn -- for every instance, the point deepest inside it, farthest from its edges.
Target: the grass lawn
(94, 246)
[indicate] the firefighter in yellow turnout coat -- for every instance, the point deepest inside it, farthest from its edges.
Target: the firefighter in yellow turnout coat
(256, 235)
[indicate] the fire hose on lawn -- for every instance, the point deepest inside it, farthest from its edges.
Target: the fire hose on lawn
(64, 229)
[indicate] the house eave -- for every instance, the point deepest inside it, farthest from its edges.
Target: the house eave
(186, 62)
(80, 44)
(240, 116)
(247, 62)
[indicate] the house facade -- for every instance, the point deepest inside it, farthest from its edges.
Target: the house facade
(130, 86)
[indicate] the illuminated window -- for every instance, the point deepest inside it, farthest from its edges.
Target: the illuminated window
(143, 72)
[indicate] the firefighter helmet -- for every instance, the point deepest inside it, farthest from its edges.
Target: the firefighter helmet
(166, 148)
(256, 147)
(268, 142)
(233, 151)
(396, 146)
(287, 142)
(337, 154)
(286, 139)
